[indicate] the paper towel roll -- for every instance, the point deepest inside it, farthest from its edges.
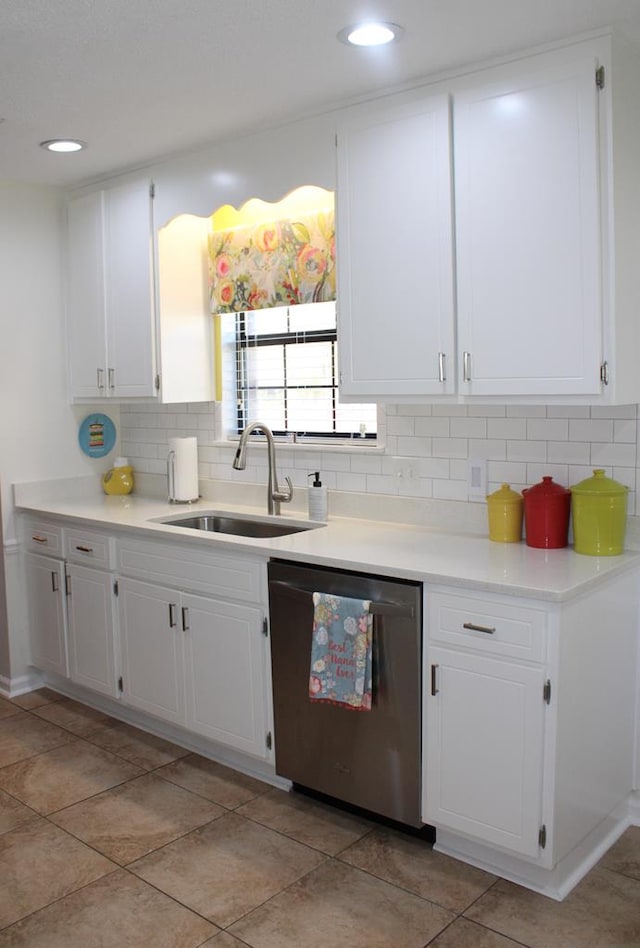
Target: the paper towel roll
(183, 486)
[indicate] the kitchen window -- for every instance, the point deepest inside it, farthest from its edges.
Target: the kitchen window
(286, 374)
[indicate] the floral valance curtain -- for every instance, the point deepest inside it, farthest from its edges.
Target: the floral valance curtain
(280, 263)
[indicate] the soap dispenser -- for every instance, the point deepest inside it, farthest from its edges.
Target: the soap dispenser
(317, 498)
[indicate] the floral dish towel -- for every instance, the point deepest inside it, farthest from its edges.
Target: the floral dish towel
(341, 651)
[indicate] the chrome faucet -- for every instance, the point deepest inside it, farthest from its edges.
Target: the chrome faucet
(275, 496)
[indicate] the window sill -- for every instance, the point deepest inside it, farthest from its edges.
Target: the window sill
(318, 446)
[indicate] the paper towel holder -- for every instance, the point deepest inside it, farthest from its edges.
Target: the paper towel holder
(171, 481)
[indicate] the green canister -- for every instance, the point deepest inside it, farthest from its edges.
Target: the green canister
(599, 506)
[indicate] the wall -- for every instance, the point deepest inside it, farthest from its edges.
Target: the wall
(38, 428)
(426, 453)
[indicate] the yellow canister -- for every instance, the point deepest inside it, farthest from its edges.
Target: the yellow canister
(119, 480)
(504, 509)
(599, 506)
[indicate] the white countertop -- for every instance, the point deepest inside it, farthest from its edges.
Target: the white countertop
(399, 550)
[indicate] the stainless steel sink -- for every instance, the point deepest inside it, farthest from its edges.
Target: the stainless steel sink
(238, 526)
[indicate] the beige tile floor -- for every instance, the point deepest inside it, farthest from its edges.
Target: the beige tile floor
(112, 837)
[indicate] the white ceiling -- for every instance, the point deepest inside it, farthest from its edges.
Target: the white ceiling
(147, 79)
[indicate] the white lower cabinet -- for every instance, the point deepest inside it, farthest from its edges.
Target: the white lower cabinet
(485, 739)
(91, 628)
(151, 650)
(47, 616)
(195, 660)
(529, 728)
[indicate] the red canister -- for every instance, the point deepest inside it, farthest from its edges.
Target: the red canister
(546, 514)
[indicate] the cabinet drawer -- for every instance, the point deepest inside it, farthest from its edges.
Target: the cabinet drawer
(186, 567)
(41, 536)
(488, 625)
(80, 546)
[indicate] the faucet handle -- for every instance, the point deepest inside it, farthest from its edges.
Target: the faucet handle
(284, 496)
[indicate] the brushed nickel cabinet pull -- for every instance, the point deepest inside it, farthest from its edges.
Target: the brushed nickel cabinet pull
(479, 628)
(442, 367)
(185, 619)
(466, 366)
(172, 615)
(54, 582)
(100, 375)
(434, 688)
(112, 378)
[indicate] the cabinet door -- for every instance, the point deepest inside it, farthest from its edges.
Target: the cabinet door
(47, 618)
(484, 743)
(394, 254)
(85, 309)
(91, 636)
(527, 233)
(129, 290)
(151, 644)
(225, 673)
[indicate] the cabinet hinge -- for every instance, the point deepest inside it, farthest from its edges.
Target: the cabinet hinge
(604, 373)
(120, 684)
(268, 741)
(542, 837)
(116, 588)
(152, 190)
(546, 692)
(157, 383)
(600, 77)
(265, 627)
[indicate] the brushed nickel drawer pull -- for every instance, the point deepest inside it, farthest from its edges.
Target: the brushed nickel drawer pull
(479, 628)
(84, 549)
(54, 582)
(38, 539)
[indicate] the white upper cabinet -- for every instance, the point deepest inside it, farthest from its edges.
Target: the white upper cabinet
(129, 338)
(528, 232)
(110, 295)
(534, 297)
(395, 254)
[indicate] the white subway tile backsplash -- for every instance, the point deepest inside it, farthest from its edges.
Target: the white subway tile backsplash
(432, 427)
(527, 450)
(426, 448)
(526, 411)
(549, 429)
(468, 427)
(415, 447)
(506, 472)
(568, 452)
(401, 425)
(614, 411)
(622, 455)
(511, 429)
(591, 430)
(450, 448)
(625, 430)
(559, 472)
(493, 449)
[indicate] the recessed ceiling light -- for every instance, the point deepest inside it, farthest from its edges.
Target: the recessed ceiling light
(63, 144)
(370, 34)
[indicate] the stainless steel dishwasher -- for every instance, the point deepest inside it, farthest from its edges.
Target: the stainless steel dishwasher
(370, 759)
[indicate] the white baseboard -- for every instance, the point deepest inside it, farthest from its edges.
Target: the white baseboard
(13, 687)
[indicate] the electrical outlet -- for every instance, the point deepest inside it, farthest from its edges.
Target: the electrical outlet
(477, 479)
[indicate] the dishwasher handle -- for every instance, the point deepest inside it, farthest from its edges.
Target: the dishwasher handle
(376, 608)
